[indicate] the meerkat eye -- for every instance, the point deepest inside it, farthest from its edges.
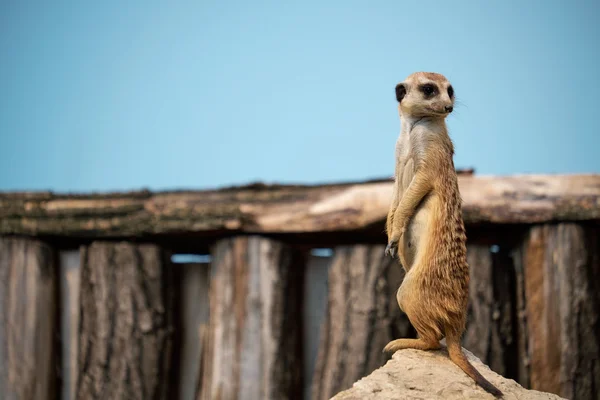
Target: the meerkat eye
(428, 89)
(450, 91)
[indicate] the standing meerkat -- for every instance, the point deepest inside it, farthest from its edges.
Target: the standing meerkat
(424, 223)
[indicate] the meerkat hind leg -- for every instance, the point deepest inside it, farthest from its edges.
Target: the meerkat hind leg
(419, 344)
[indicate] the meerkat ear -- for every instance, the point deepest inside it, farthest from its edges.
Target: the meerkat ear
(400, 91)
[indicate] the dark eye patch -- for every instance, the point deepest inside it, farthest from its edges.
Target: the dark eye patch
(450, 91)
(428, 89)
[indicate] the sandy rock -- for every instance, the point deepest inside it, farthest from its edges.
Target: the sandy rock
(415, 374)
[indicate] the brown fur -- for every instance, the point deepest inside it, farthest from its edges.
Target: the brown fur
(425, 226)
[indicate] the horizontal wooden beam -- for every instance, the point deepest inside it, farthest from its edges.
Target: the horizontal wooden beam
(260, 208)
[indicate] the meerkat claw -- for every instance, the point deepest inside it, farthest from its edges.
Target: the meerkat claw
(391, 347)
(391, 249)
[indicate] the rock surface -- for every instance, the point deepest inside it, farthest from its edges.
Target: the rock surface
(415, 374)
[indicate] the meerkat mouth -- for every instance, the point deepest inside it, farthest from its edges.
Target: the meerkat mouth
(440, 113)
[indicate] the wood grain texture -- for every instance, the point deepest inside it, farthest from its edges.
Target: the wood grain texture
(192, 290)
(314, 310)
(254, 349)
(362, 317)
(562, 286)
(522, 332)
(28, 323)
(69, 272)
(490, 321)
(204, 351)
(125, 326)
(289, 209)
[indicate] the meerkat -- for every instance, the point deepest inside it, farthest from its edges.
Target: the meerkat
(424, 224)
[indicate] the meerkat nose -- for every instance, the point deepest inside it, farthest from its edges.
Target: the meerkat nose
(449, 109)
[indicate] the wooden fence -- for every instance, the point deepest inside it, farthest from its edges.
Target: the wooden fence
(289, 295)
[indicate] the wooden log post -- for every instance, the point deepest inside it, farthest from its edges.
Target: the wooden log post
(490, 327)
(69, 285)
(561, 265)
(521, 334)
(362, 317)
(254, 349)
(193, 290)
(125, 322)
(28, 323)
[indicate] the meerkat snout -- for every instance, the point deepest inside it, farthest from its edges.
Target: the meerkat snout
(448, 109)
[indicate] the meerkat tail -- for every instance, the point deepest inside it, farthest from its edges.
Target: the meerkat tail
(458, 357)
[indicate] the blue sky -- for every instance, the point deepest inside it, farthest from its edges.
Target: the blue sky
(127, 95)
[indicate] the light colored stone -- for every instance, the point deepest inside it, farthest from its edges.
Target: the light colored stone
(416, 374)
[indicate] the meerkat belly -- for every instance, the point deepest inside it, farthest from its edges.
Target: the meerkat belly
(415, 231)
(416, 239)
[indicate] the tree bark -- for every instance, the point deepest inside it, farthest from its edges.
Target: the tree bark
(362, 317)
(255, 304)
(490, 331)
(125, 322)
(562, 275)
(289, 209)
(28, 323)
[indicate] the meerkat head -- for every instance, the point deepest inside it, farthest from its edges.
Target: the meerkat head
(425, 94)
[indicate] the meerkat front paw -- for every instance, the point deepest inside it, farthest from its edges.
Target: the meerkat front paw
(391, 249)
